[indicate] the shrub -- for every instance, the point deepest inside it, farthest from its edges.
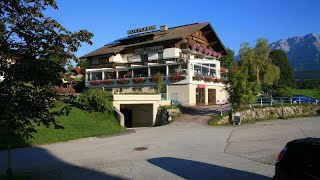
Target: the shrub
(217, 118)
(96, 100)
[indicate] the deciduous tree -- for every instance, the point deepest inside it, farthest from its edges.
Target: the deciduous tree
(279, 58)
(38, 46)
(256, 63)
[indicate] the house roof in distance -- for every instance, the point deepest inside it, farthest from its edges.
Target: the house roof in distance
(157, 36)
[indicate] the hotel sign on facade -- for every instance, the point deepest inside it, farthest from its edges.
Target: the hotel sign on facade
(148, 50)
(148, 28)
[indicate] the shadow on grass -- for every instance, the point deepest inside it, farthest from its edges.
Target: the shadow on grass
(41, 164)
(189, 169)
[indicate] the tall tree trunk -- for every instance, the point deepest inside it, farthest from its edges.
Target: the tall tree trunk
(258, 75)
(9, 170)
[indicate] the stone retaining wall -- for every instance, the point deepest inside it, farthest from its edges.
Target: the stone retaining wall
(256, 114)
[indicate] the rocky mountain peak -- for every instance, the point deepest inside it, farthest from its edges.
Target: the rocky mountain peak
(303, 52)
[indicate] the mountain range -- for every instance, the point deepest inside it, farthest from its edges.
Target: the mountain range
(303, 53)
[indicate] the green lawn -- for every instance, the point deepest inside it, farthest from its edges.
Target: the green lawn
(78, 124)
(306, 92)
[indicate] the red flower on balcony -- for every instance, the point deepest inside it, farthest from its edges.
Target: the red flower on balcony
(208, 79)
(216, 80)
(139, 80)
(95, 82)
(197, 77)
(176, 77)
(108, 81)
(123, 81)
(155, 79)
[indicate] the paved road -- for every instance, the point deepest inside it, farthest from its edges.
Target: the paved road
(181, 150)
(202, 114)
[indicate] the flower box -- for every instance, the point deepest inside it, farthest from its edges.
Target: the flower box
(197, 78)
(123, 81)
(139, 80)
(108, 81)
(155, 79)
(208, 79)
(95, 82)
(176, 77)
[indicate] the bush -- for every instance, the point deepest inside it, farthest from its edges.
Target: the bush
(96, 100)
(217, 118)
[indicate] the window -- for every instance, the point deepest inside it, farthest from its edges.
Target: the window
(97, 76)
(94, 61)
(104, 60)
(184, 55)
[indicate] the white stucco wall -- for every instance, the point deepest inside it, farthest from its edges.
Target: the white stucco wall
(145, 114)
(181, 91)
(187, 93)
(171, 52)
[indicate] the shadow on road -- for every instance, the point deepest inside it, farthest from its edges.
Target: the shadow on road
(41, 164)
(189, 169)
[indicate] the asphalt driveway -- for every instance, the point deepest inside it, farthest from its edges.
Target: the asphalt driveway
(181, 150)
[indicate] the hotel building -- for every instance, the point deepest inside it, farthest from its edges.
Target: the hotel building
(184, 58)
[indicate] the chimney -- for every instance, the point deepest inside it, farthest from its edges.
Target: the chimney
(163, 28)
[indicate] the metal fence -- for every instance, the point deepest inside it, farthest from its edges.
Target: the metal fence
(281, 101)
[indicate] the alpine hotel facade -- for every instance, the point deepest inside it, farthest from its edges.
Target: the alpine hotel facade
(185, 57)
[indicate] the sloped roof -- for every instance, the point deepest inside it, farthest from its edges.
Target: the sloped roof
(104, 50)
(174, 33)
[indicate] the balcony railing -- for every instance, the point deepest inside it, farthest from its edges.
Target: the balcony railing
(113, 64)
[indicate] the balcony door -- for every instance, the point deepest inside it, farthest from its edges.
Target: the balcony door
(211, 96)
(200, 96)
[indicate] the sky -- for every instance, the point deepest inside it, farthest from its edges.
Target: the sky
(234, 21)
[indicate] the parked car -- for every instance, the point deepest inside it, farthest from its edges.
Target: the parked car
(300, 99)
(299, 159)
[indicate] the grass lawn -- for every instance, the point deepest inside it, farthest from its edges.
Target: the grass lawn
(306, 92)
(78, 124)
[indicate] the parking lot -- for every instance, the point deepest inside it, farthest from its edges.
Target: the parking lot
(181, 150)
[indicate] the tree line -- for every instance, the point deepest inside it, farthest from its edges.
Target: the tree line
(260, 70)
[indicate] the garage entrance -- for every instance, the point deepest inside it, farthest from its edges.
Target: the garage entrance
(137, 115)
(128, 117)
